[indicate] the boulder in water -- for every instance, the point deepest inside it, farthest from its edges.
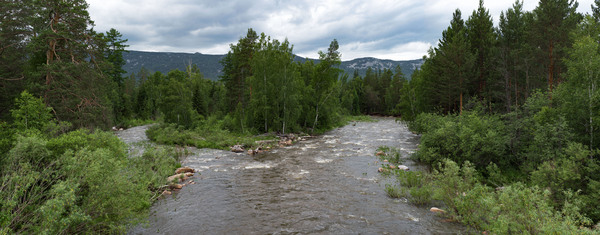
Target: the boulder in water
(237, 148)
(254, 151)
(184, 170)
(393, 167)
(179, 177)
(285, 143)
(403, 167)
(380, 153)
(166, 192)
(175, 186)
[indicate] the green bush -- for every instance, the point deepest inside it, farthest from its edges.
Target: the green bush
(417, 185)
(106, 191)
(79, 182)
(480, 139)
(426, 122)
(450, 181)
(30, 113)
(23, 183)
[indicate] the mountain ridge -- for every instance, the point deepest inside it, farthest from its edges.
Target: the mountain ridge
(211, 68)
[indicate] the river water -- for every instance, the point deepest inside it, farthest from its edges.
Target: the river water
(325, 185)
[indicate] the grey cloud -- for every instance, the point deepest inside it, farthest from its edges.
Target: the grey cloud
(191, 25)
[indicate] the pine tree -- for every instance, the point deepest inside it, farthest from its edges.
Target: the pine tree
(114, 46)
(236, 68)
(554, 21)
(71, 69)
(511, 56)
(453, 65)
(15, 19)
(482, 39)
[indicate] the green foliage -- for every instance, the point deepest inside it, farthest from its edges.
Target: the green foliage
(237, 68)
(515, 208)
(276, 87)
(415, 186)
(106, 191)
(209, 134)
(450, 180)
(154, 165)
(391, 154)
(30, 113)
(31, 150)
(426, 122)
(176, 102)
(112, 51)
(6, 140)
(137, 122)
(60, 213)
(480, 139)
(78, 182)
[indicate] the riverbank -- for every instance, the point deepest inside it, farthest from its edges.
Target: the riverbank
(487, 195)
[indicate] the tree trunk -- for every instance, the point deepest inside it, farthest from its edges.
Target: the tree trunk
(265, 100)
(551, 67)
(316, 118)
(284, 96)
(507, 84)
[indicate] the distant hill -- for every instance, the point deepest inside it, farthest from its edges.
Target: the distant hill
(211, 68)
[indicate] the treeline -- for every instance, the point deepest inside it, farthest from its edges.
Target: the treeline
(508, 117)
(263, 89)
(501, 66)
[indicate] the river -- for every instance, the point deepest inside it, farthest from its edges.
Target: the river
(324, 185)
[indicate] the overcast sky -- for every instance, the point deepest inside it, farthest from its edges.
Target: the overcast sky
(394, 29)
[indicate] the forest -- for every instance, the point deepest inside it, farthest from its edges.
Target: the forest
(507, 116)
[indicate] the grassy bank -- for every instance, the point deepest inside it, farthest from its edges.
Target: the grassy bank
(504, 175)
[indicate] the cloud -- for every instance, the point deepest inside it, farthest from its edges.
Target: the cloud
(391, 29)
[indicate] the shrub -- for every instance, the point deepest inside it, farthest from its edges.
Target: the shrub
(30, 113)
(106, 191)
(450, 181)
(417, 186)
(426, 122)
(480, 139)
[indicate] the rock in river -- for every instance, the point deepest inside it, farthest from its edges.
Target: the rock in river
(237, 148)
(179, 177)
(184, 170)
